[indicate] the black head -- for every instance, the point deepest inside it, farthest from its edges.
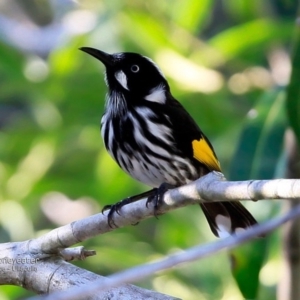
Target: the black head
(132, 73)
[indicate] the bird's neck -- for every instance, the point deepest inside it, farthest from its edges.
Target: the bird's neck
(116, 104)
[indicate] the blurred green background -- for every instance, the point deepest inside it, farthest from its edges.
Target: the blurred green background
(228, 62)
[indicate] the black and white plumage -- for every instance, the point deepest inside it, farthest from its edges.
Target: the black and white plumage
(154, 139)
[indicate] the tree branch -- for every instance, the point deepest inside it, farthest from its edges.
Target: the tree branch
(49, 250)
(142, 271)
(47, 275)
(211, 187)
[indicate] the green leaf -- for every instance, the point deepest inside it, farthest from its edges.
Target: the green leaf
(11, 62)
(257, 155)
(246, 262)
(189, 14)
(293, 90)
(261, 141)
(237, 40)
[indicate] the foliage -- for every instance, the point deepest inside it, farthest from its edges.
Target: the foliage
(225, 61)
(293, 91)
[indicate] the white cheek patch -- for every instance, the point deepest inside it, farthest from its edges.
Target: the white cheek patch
(224, 226)
(122, 79)
(157, 94)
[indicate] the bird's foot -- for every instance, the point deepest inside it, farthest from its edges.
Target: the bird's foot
(157, 196)
(115, 208)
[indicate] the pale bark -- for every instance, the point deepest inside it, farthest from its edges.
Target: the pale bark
(49, 252)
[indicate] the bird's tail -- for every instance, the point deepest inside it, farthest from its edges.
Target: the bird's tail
(226, 218)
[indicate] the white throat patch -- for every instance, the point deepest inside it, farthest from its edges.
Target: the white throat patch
(157, 94)
(122, 79)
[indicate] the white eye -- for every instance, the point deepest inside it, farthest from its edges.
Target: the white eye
(134, 68)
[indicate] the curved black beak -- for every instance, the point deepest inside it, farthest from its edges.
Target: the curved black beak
(105, 58)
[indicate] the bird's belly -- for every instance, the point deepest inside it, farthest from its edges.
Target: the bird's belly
(149, 174)
(154, 171)
(146, 161)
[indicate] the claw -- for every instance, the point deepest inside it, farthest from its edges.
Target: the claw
(114, 208)
(154, 195)
(106, 207)
(157, 197)
(110, 219)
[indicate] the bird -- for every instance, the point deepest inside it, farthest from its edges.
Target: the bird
(155, 140)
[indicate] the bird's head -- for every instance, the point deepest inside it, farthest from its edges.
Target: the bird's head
(132, 74)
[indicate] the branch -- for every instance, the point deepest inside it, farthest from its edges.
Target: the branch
(48, 250)
(19, 267)
(140, 272)
(211, 187)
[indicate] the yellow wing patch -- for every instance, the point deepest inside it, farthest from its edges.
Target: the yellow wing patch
(203, 152)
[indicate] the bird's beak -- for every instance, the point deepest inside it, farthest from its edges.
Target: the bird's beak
(105, 58)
